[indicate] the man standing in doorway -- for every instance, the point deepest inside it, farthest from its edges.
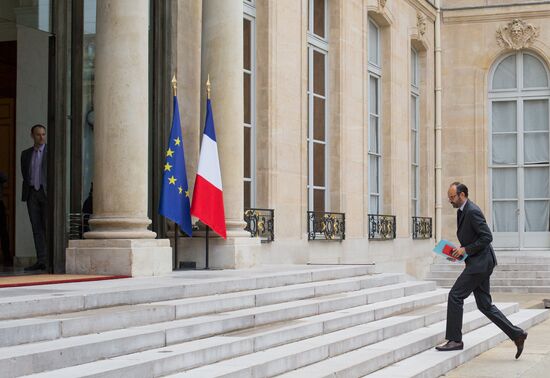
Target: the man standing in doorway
(475, 239)
(34, 171)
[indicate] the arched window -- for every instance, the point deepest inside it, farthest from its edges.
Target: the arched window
(519, 97)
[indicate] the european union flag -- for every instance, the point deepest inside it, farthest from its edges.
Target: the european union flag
(174, 197)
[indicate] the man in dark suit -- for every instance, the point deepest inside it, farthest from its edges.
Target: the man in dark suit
(34, 171)
(475, 239)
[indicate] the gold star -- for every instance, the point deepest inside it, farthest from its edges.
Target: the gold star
(172, 180)
(177, 141)
(169, 152)
(187, 193)
(180, 189)
(167, 167)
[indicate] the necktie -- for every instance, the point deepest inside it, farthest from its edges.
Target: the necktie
(458, 216)
(36, 171)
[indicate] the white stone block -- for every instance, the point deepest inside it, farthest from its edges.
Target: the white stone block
(129, 257)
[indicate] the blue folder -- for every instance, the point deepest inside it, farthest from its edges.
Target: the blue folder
(444, 248)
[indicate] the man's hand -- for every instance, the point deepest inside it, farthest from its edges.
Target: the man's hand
(458, 252)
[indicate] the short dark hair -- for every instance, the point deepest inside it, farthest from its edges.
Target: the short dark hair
(36, 127)
(460, 188)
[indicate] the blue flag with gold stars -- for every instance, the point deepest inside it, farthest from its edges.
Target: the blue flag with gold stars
(174, 196)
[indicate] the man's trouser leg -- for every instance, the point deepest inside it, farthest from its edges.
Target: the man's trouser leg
(463, 287)
(36, 205)
(486, 306)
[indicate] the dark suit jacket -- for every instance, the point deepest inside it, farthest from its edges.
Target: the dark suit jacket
(475, 236)
(26, 158)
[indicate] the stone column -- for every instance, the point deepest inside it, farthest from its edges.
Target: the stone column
(222, 59)
(119, 223)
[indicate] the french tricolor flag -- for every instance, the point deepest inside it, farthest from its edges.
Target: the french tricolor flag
(207, 204)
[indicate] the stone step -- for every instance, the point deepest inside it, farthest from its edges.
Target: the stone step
(56, 354)
(296, 355)
(197, 353)
(457, 267)
(20, 331)
(539, 257)
(379, 355)
(523, 258)
(496, 275)
(56, 299)
(432, 363)
(520, 289)
(503, 282)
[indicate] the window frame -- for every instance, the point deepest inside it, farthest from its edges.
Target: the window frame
(375, 71)
(249, 13)
(318, 44)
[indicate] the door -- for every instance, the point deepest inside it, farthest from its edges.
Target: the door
(519, 153)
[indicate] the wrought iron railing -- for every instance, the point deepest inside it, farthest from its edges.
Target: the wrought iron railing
(78, 225)
(326, 226)
(260, 223)
(381, 227)
(421, 227)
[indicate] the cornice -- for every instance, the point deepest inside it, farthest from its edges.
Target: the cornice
(424, 7)
(495, 14)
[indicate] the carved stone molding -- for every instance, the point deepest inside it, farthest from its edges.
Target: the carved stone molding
(421, 24)
(517, 34)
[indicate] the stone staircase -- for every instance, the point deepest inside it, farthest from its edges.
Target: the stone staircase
(344, 321)
(516, 272)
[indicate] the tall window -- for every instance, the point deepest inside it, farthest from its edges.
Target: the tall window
(375, 153)
(519, 98)
(414, 121)
(249, 83)
(317, 104)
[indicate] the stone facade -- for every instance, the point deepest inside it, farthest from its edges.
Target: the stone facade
(474, 39)
(208, 39)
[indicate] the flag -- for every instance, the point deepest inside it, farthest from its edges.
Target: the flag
(174, 196)
(208, 193)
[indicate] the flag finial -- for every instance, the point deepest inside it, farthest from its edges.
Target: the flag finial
(174, 84)
(208, 86)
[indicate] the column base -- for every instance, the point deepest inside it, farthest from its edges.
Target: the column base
(125, 257)
(232, 253)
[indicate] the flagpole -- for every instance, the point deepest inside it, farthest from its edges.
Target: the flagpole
(206, 265)
(176, 226)
(207, 227)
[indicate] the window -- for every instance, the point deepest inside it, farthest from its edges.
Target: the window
(519, 99)
(374, 152)
(249, 93)
(414, 122)
(317, 104)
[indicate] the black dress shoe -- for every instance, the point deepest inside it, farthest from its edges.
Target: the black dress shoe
(37, 266)
(519, 341)
(450, 345)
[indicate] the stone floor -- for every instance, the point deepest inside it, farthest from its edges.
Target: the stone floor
(499, 362)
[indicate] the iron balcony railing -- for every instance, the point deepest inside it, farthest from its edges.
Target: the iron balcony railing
(326, 226)
(421, 228)
(381, 227)
(260, 223)
(78, 225)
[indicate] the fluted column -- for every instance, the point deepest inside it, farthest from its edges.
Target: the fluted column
(121, 126)
(222, 59)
